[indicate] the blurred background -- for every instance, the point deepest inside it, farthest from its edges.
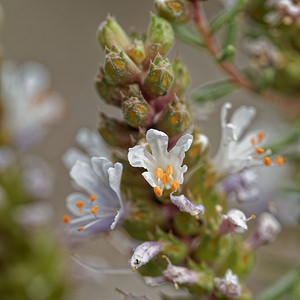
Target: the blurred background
(61, 35)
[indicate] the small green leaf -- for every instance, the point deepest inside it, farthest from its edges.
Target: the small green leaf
(214, 91)
(230, 34)
(188, 36)
(227, 16)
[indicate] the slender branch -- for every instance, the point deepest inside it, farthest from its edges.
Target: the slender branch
(282, 287)
(238, 77)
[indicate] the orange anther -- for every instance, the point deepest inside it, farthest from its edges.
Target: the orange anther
(94, 210)
(157, 191)
(175, 185)
(79, 204)
(169, 170)
(260, 136)
(159, 173)
(92, 197)
(66, 219)
(253, 217)
(267, 161)
(80, 228)
(259, 150)
(165, 178)
(133, 270)
(279, 160)
(253, 141)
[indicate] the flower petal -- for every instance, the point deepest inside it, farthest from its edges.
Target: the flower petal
(158, 142)
(72, 155)
(185, 205)
(182, 145)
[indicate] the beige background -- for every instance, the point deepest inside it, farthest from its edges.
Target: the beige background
(61, 35)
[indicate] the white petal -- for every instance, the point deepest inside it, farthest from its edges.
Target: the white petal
(72, 155)
(150, 178)
(100, 166)
(185, 205)
(139, 157)
(158, 142)
(182, 145)
(71, 203)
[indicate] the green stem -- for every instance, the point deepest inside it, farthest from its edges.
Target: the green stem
(281, 287)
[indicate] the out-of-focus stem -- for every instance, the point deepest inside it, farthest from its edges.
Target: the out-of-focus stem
(203, 29)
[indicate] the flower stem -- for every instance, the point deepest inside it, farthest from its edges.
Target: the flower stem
(281, 287)
(238, 77)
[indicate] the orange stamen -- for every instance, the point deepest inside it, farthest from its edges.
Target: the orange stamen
(260, 136)
(252, 141)
(159, 173)
(66, 219)
(279, 160)
(80, 228)
(253, 217)
(157, 191)
(92, 197)
(175, 185)
(94, 210)
(259, 150)
(79, 204)
(169, 170)
(267, 161)
(165, 178)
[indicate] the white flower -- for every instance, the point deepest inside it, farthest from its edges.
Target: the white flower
(235, 220)
(185, 205)
(92, 144)
(236, 154)
(287, 11)
(29, 103)
(266, 232)
(164, 168)
(229, 285)
(144, 253)
(104, 207)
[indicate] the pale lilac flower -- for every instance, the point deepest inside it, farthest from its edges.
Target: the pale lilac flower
(234, 221)
(30, 105)
(104, 207)
(164, 170)
(242, 186)
(236, 153)
(144, 253)
(267, 229)
(91, 143)
(229, 285)
(185, 205)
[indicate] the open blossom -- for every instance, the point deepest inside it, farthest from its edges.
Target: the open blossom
(236, 153)
(103, 207)
(229, 285)
(144, 253)
(185, 205)
(92, 144)
(164, 170)
(234, 221)
(29, 103)
(267, 230)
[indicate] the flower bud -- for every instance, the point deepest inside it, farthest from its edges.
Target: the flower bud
(110, 33)
(136, 110)
(137, 51)
(176, 118)
(119, 68)
(181, 77)
(177, 11)
(115, 133)
(108, 92)
(159, 78)
(160, 37)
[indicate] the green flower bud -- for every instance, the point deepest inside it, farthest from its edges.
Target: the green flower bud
(198, 149)
(159, 78)
(175, 11)
(110, 33)
(119, 68)
(115, 133)
(186, 224)
(176, 118)
(137, 112)
(160, 37)
(137, 51)
(108, 92)
(181, 77)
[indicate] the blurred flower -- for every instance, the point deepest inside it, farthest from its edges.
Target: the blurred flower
(92, 144)
(229, 285)
(164, 168)
(104, 207)
(30, 106)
